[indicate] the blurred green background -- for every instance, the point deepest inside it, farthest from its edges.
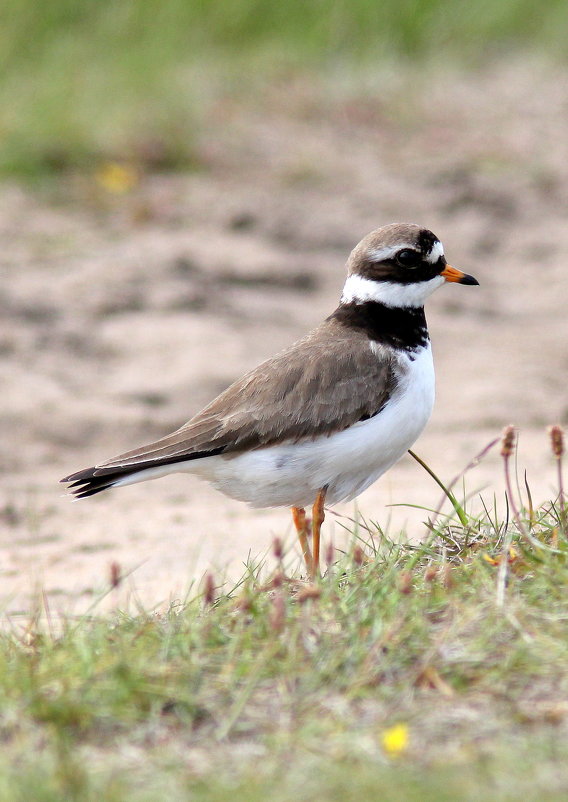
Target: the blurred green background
(82, 80)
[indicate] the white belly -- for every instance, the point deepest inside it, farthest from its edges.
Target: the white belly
(290, 474)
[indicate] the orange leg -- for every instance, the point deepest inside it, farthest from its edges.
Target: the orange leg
(302, 527)
(318, 517)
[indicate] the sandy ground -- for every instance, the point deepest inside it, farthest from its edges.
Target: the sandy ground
(123, 314)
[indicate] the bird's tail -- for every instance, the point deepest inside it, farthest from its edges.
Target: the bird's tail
(91, 481)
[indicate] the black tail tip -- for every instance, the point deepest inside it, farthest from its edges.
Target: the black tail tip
(85, 483)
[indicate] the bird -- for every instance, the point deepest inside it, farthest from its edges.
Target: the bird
(320, 421)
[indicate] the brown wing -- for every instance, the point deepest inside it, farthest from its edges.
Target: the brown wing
(323, 383)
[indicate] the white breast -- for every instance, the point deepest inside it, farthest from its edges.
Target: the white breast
(290, 474)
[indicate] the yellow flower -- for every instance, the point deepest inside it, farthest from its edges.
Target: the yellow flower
(116, 178)
(513, 555)
(395, 739)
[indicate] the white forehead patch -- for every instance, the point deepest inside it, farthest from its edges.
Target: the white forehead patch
(380, 254)
(435, 253)
(359, 290)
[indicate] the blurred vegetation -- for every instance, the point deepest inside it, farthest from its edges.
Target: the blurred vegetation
(130, 78)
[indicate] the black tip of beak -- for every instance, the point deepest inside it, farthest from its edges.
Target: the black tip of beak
(469, 280)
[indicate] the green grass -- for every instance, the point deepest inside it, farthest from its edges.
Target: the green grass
(283, 690)
(85, 82)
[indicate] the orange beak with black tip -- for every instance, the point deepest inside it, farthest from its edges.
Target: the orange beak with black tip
(453, 274)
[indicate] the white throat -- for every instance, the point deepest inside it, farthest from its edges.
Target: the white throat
(358, 290)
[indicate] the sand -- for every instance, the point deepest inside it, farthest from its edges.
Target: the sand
(123, 313)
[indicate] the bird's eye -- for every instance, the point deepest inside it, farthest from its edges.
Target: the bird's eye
(408, 258)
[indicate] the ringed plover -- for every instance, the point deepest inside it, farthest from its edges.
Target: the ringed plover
(323, 419)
